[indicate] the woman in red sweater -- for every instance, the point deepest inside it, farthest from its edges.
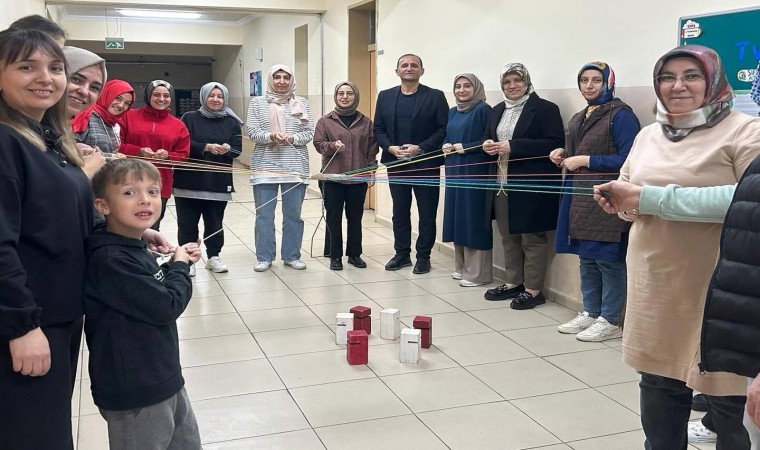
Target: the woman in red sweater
(152, 132)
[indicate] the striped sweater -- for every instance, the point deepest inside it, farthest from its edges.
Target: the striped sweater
(271, 162)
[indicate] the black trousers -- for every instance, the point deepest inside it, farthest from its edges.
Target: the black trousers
(427, 208)
(351, 198)
(35, 412)
(665, 409)
(156, 225)
(189, 212)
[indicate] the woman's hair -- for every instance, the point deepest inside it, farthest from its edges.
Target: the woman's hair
(39, 23)
(18, 45)
(117, 171)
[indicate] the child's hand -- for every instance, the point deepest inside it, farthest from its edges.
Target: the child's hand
(190, 252)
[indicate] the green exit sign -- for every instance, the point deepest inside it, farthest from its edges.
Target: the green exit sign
(114, 43)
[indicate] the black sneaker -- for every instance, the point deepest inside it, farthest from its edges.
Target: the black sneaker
(422, 266)
(398, 262)
(503, 292)
(526, 301)
(357, 261)
(336, 264)
(699, 403)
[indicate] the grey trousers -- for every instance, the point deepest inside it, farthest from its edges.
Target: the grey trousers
(474, 265)
(525, 255)
(169, 425)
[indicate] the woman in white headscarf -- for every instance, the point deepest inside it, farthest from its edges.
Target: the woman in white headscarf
(215, 137)
(280, 125)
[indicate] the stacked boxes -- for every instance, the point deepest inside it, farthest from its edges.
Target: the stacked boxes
(344, 322)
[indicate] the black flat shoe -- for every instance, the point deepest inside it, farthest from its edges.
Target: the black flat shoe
(526, 301)
(336, 264)
(422, 266)
(503, 292)
(699, 403)
(398, 262)
(357, 262)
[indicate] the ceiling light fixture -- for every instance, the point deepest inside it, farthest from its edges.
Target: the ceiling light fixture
(159, 14)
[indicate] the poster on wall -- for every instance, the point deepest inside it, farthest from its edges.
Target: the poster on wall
(736, 37)
(255, 83)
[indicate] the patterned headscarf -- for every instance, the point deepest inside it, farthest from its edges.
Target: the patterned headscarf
(225, 111)
(478, 96)
(718, 93)
(607, 93)
(522, 71)
(341, 111)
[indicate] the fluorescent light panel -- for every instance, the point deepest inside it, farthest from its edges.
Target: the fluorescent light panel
(159, 14)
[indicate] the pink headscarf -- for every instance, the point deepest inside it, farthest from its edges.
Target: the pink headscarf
(277, 101)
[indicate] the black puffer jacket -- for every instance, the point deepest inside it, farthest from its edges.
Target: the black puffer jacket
(731, 326)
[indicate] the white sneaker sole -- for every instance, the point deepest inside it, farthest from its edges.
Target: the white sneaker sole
(258, 268)
(570, 330)
(222, 270)
(606, 337)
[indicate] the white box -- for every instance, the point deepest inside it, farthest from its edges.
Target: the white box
(390, 325)
(410, 347)
(344, 322)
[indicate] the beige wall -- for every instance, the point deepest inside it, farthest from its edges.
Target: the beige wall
(10, 10)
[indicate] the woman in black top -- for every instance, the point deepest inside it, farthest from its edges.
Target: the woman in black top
(46, 207)
(216, 139)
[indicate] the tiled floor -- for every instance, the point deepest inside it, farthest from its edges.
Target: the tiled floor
(263, 370)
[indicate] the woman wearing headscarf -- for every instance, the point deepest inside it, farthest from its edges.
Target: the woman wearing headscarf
(522, 130)
(280, 125)
(698, 141)
(98, 126)
(464, 223)
(153, 132)
(215, 137)
(598, 141)
(346, 141)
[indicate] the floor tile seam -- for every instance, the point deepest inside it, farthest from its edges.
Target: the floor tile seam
(600, 436)
(212, 336)
(262, 435)
(222, 363)
(567, 373)
(370, 376)
(618, 402)
(495, 362)
(535, 421)
(575, 351)
(206, 314)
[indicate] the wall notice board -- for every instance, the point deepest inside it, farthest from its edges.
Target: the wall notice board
(735, 35)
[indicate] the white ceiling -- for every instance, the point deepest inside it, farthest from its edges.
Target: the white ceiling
(89, 12)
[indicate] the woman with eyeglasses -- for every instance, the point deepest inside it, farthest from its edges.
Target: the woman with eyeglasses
(345, 139)
(698, 141)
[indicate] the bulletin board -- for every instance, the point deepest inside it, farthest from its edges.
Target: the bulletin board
(735, 35)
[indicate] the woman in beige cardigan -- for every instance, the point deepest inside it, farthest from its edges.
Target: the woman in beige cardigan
(697, 141)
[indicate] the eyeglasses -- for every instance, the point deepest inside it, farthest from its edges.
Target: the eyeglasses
(345, 94)
(689, 78)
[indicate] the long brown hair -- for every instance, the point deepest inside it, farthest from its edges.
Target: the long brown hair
(18, 45)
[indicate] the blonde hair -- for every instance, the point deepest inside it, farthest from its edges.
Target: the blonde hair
(18, 45)
(117, 171)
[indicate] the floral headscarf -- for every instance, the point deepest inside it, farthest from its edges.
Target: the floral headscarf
(522, 71)
(607, 93)
(718, 93)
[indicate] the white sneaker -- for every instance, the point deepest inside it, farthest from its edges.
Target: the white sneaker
(599, 331)
(456, 275)
(296, 264)
(465, 283)
(578, 324)
(700, 434)
(192, 270)
(216, 265)
(262, 266)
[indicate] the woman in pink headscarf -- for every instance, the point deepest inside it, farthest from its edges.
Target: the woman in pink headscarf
(280, 125)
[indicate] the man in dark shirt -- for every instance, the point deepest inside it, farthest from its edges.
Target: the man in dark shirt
(410, 121)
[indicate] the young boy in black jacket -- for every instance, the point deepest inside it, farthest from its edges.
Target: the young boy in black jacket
(131, 308)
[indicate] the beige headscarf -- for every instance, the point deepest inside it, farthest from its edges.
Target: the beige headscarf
(478, 96)
(352, 108)
(277, 101)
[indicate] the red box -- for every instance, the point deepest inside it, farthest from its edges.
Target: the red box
(424, 323)
(362, 318)
(357, 349)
